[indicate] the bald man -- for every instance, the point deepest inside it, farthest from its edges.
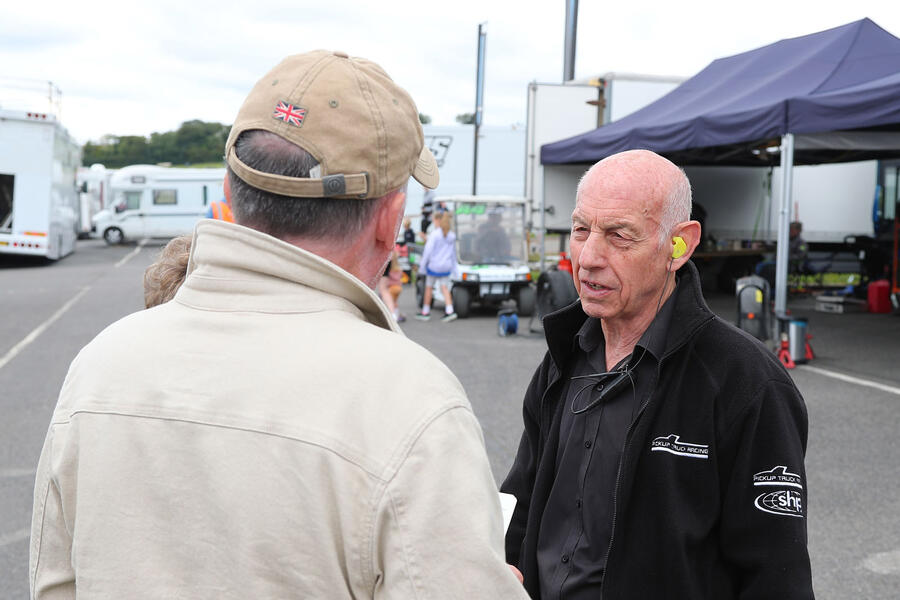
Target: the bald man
(663, 450)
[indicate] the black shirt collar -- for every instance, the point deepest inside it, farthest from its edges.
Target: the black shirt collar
(591, 341)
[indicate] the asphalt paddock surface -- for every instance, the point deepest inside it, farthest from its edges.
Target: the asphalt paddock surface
(852, 390)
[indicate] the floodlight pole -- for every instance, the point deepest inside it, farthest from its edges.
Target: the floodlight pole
(571, 31)
(479, 100)
(784, 224)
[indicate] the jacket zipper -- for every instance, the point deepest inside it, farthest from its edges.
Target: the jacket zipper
(553, 381)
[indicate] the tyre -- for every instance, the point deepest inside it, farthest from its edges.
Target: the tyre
(555, 290)
(462, 300)
(113, 236)
(526, 297)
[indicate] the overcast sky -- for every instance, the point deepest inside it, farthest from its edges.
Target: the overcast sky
(153, 65)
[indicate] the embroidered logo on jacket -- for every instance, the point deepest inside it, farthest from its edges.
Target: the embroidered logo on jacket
(778, 476)
(673, 445)
(780, 502)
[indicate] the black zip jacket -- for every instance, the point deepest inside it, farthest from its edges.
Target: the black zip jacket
(710, 497)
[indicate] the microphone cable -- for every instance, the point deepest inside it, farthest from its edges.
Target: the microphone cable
(619, 376)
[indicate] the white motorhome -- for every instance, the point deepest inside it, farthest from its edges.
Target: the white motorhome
(93, 194)
(38, 195)
(156, 202)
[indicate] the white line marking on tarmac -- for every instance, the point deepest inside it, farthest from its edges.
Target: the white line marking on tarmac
(850, 379)
(8, 473)
(131, 254)
(15, 536)
(41, 328)
(884, 563)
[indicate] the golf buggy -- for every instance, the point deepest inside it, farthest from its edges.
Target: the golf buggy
(492, 249)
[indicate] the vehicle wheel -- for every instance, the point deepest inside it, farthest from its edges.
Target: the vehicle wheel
(113, 236)
(525, 300)
(555, 290)
(462, 301)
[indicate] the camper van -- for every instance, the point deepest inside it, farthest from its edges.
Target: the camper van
(38, 195)
(93, 193)
(156, 202)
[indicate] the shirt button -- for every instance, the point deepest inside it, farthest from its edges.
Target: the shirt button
(587, 444)
(565, 558)
(578, 503)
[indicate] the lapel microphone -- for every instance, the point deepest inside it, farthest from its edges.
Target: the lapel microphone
(608, 384)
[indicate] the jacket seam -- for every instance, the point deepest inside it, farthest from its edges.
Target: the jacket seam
(407, 552)
(405, 447)
(260, 311)
(40, 539)
(400, 458)
(232, 427)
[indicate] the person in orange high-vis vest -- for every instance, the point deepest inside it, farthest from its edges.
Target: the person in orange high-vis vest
(221, 210)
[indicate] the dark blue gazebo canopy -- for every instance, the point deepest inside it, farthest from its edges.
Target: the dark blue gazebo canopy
(846, 78)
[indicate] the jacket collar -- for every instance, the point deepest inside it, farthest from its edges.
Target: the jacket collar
(235, 268)
(689, 313)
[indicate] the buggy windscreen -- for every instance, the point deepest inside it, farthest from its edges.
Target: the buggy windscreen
(490, 234)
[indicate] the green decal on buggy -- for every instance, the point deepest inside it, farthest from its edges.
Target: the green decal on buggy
(471, 209)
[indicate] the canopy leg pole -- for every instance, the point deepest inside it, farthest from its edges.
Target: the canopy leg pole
(784, 223)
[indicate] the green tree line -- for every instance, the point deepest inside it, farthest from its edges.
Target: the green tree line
(192, 143)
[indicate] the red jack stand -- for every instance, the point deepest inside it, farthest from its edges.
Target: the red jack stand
(784, 353)
(809, 351)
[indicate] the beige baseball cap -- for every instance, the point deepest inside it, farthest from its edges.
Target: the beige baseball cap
(349, 115)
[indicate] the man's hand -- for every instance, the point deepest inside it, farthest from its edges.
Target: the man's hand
(517, 573)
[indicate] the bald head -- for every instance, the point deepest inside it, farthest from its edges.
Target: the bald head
(656, 184)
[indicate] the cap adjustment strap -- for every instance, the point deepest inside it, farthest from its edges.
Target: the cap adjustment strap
(331, 186)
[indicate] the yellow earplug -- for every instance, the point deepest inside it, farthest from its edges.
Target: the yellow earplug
(678, 247)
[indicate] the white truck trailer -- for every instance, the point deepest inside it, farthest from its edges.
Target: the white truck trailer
(156, 202)
(39, 205)
(500, 165)
(557, 111)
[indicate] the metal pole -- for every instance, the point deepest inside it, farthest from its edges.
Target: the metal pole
(784, 224)
(571, 31)
(479, 101)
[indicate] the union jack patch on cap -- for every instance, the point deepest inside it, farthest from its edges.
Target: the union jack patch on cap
(289, 113)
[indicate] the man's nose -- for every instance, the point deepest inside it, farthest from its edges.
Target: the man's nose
(594, 252)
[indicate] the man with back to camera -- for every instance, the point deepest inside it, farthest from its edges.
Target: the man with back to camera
(663, 448)
(247, 439)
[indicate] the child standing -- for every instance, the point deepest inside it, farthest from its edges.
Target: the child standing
(438, 264)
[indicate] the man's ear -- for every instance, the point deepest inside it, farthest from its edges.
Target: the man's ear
(689, 231)
(387, 219)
